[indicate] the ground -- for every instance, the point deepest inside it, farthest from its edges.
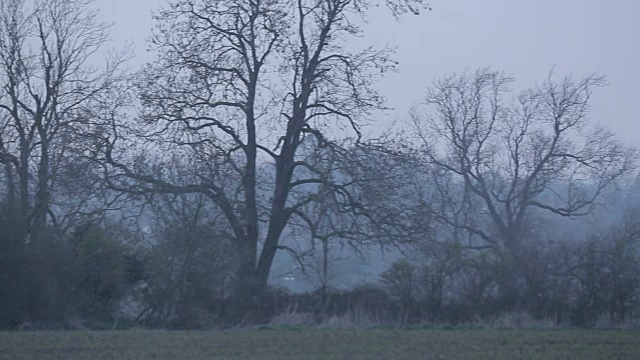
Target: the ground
(323, 344)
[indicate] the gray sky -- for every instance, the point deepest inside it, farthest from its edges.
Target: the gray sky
(525, 38)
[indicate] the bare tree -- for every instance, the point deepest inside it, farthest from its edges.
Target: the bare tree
(50, 87)
(605, 272)
(189, 261)
(401, 281)
(497, 162)
(242, 83)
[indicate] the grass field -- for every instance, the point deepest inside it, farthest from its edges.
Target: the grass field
(323, 344)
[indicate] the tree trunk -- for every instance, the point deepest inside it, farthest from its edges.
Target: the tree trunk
(41, 201)
(247, 289)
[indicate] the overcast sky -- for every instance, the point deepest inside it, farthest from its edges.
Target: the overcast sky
(525, 38)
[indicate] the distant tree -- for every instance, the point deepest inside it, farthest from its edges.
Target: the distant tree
(374, 205)
(496, 161)
(189, 264)
(402, 282)
(239, 83)
(606, 273)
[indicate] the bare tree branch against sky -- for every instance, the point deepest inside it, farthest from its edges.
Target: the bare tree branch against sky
(523, 38)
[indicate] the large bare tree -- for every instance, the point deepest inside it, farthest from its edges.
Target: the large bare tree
(51, 84)
(497, 160)
(237, 89)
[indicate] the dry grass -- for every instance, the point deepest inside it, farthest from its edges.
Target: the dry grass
(514, 320)
(323, 344)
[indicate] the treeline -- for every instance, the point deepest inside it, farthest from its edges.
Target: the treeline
(577, 282)
(164, 196)
(105, 277)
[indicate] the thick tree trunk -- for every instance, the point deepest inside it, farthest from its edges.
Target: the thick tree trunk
(246, 282)
(278, 216)
(252, 276)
